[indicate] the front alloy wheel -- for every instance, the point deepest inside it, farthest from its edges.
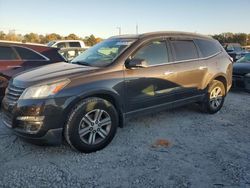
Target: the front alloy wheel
(94, 126)
(91, 125)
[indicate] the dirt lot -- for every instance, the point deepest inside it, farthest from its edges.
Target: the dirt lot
(204, 151)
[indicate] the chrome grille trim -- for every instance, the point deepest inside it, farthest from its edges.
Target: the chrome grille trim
(13, 93)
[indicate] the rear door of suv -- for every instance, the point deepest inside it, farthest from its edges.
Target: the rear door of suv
(191, 71)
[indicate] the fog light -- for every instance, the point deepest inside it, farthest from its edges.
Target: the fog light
(29, 124)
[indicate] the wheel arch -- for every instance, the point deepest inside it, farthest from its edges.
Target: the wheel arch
(111, 96)
(219, 77)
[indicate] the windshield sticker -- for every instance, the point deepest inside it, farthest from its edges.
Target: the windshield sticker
(124, 43)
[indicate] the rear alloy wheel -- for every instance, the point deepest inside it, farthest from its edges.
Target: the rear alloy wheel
(91, 125)
(215, 97)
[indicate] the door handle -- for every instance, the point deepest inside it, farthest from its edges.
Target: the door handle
(202, 67)
(168, 72)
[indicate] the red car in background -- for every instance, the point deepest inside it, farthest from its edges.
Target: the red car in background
(18, 57)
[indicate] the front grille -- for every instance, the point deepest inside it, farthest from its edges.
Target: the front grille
(13, 93)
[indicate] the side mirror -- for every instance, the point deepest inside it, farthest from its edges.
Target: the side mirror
(136, 63)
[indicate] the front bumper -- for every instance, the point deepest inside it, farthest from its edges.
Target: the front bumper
(50, 126)
(52, 137)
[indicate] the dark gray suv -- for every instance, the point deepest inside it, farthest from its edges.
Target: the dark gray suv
(87, 100)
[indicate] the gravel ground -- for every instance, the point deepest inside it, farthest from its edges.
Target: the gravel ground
(202, 151)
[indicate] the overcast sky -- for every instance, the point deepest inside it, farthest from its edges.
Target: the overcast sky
(102, 17)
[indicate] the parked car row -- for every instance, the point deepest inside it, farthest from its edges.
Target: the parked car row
(84, 101)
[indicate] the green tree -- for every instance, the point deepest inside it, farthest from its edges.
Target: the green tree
(32, 37)
(248, 39)
(2, 35)
(91, 40)
(72, 37)
(11, 36)
(52, 36)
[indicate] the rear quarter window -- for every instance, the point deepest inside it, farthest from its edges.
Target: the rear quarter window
(74, 44)
(208, 47)
(7, 53)
(27, 54)
(184, 50)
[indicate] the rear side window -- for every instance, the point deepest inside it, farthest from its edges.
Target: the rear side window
(7, 53)
(27, 54)
(208, 47)
(184, 50)
(74, 44)
(154, 53)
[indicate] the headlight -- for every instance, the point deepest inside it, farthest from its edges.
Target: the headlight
(44, 90)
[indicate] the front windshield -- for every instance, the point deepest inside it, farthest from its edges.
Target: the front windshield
(245, 59)
(103, 53)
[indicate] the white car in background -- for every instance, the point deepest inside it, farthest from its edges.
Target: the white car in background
(69, 48)
(67, 44)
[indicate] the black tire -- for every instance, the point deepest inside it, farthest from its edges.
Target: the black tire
(72, 128)
(206, 104)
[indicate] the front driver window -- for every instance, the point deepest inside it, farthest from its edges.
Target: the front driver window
(154, 53)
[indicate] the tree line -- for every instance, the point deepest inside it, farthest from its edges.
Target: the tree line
(242, 38)
(43, 39)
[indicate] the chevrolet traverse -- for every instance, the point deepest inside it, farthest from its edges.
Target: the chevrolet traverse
(85, 101)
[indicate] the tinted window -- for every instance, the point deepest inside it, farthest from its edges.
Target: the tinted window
(27, 54)
(61, 45)
(154, 53)
(208, 47)
(6, 53)
(74, 44)
(184, 50)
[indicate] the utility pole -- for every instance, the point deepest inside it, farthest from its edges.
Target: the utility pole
(137, 29)
(120, 30)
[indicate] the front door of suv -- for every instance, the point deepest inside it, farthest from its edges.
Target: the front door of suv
(191, 70)
(152, 85)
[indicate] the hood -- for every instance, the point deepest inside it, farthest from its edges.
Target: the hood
(51, 72)
(241, 68)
